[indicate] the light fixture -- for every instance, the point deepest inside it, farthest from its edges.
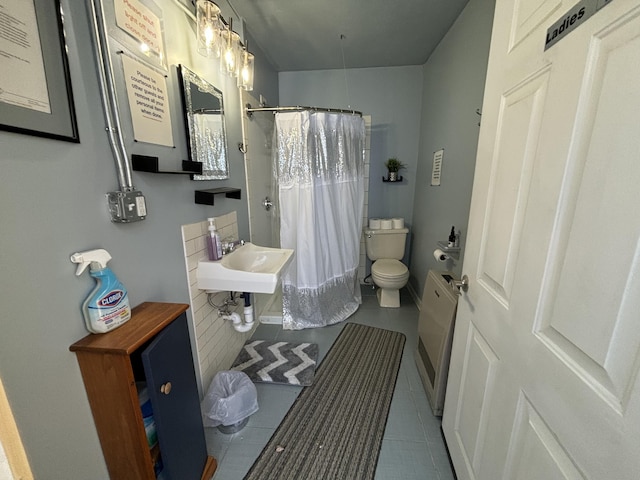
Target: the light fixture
(245, 70)
(216, 38)
(230, 45)
(209, 24)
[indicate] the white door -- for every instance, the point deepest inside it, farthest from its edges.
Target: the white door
(544, 373)
(257, 134)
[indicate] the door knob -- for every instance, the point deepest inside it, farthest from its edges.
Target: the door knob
(267, 203)
(462, 284)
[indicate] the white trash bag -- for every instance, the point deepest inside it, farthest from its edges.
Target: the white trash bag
(231, 398)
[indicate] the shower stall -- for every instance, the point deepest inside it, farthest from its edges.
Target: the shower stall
(341, 186)
(257, 133)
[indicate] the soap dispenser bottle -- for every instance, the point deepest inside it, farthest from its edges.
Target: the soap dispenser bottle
(214, 247)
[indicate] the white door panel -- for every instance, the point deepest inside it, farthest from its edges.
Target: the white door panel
(519, 120)
(597, 205)
(471, 418)
(544, 372)
(528, 15)
(534, 451)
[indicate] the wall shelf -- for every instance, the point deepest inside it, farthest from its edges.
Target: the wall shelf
(442, 245)
(149, 164)
(205, 197)
(387, 180)
(453, 252)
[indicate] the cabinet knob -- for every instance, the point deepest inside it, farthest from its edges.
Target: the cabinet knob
(166, 388)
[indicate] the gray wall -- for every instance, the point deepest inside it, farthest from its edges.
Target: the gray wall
(453, 86)
(265, 81)
(392, 96)
(52, 204)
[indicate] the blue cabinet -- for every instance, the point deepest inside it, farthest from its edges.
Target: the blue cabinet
(171, 382)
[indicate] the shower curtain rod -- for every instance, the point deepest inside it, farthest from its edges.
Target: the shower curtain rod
(297, 108)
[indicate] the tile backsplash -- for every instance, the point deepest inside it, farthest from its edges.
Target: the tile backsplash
(217, 343)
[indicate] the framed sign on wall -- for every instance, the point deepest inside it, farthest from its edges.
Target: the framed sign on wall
(35, 86)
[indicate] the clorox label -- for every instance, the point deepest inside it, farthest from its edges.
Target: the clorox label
(108, 312)
(111, 299)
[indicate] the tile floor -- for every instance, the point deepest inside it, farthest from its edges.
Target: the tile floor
(412, 447)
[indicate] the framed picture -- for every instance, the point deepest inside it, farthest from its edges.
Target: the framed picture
(35, 87)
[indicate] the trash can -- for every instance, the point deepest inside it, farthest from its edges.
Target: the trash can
(231, 399)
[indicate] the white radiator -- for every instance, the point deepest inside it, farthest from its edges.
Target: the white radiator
(435, 330)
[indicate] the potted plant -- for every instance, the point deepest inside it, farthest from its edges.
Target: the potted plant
(394, 166)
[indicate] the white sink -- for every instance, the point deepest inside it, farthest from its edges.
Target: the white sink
(249, 268)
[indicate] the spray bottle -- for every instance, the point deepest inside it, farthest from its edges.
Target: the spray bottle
(107, 306)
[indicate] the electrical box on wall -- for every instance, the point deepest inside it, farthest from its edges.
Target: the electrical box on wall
(127, 207)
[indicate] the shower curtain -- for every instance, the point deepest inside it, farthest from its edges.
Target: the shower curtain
(319, 173)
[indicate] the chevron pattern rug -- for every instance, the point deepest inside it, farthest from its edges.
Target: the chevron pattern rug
(278, 362)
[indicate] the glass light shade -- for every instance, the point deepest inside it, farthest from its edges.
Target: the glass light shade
(209, 26)
(229, 58)
(245, 73)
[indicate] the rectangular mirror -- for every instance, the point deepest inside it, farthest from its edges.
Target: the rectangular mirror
(204, 121)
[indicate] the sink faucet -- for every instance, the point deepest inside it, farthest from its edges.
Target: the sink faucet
(228, 247)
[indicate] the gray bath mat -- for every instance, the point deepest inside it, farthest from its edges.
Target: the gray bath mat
(278, 362)
(335, 427)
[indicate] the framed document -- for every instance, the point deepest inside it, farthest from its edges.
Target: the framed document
(35, 87)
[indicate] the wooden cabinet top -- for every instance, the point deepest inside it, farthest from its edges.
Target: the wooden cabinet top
(147, 320)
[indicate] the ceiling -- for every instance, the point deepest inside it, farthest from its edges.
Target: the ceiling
(306, 34)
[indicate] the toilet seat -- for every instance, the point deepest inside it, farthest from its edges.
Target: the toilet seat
(387, 268)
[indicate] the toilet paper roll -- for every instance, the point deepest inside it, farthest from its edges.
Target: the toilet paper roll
(397, 222)
(374, 223)
(440, 256)
(385, 224)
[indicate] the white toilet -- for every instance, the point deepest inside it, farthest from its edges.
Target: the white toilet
(385, 248)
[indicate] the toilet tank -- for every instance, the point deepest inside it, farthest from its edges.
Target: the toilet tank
(385, 243)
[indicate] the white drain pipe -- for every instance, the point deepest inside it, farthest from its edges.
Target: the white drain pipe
(236, 320)
(238, 326)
